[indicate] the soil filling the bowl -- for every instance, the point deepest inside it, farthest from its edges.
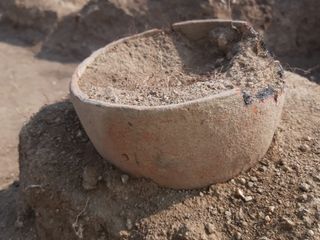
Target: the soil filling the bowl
(167, 68)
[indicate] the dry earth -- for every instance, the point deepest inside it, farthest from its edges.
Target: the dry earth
(167, 68)
(277, 199)
(27, 83)
(32, 31)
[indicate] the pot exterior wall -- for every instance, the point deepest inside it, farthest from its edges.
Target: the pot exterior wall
(183, 146)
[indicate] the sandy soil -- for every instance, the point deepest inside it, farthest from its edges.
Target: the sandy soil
(287, 179)
(27, 83)
(277, 199)
(167, 68)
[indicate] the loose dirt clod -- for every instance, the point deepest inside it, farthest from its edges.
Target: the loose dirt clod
(167, 68)
(90, 178)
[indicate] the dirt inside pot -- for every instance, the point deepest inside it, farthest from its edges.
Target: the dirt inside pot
(167, 68)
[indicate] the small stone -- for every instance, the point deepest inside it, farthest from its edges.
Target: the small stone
(254, 179)
(232, 181)
(272, 208)
(287, 168)
(79, 134)
(302, 212)
(201, 194)
(267, 218)
(18, 223)
(241, 214)
(90, 178)
(248, 199)
(307, 138)
(124, 234)
(261, 215)
(240, 194)
(317, 177)
(129, 224)
(250, 184)
(238, 236)
(304, 148)
(287, 224)
(304, 187)
(264, 238)
(303, 198)
(310, 233)
(124, 178)
(242, 181)
(210, 228)
(262, 168)
(228, 214)
(317, 215)
(308, 221)
(260, 190)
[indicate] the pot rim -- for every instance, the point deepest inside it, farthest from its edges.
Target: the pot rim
(76, 92)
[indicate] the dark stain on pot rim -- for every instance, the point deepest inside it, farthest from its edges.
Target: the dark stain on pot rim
(265, 93)
(261, 95)
(247, 98)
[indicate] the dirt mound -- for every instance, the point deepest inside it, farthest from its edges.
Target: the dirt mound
(10, 225)
(166, 67)
(78, 27)
(289, 26)
(74, 194)
(40, 14)
(101, 22)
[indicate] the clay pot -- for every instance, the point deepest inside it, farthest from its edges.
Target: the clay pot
(185, 145)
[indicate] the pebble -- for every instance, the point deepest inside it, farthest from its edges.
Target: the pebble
(288, 224)
(272, 208)
(310, 233)
(242, 181)
(260, 190)
(287, 168)
(210, 228)
(250, 184)
(267, 218)
(238, 236)
(304, 148)
(248, 199)
(307, 138)
(241, 213)
(239, 193)
(124, 178)
(90, 178)
(18, 223)
(129, 224)
(302, 212)
(79, 134)
(263, 169)
(308, 222)
(303, 198)
(264, 238)
(317, 178)
(261, 215)
(304, 187)
(228, 214)
(254, 179)
(232, 181)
